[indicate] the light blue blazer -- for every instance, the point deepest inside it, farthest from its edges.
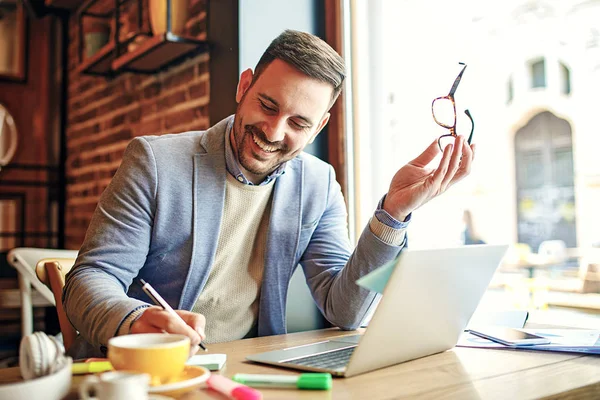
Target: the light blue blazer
(159, 220)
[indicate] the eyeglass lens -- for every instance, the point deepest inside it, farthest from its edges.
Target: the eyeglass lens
(443, 111)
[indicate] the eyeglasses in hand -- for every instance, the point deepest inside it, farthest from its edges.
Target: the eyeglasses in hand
(444, 113)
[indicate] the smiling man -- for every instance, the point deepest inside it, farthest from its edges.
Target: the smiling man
(218, 220)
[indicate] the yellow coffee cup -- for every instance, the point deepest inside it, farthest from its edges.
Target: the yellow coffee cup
(161, 355)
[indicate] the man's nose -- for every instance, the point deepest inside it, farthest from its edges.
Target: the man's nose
(275, 131)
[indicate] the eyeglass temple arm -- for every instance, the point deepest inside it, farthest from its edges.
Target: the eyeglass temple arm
(472, 126)
(457, 80)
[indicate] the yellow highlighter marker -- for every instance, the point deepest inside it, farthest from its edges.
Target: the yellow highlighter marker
(93, 367)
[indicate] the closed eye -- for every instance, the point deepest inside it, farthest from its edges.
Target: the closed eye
(297, 125)
(265, 107)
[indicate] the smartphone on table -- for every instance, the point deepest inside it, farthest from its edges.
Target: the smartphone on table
(509, 336)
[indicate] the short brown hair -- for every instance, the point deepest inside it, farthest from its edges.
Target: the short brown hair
(310, 55)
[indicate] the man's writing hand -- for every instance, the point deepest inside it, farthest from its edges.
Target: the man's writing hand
(414, 184)
(156, 320)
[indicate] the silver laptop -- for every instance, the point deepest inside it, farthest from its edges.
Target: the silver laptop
(427, 303)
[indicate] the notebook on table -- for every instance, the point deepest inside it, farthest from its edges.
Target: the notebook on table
(426, 304)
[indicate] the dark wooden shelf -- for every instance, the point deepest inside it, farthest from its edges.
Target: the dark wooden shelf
(99, 63)
(94, 7)
(147, 56)
(157, 53)
(66, 4)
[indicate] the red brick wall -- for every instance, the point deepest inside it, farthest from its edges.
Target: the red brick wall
(105, 114)
(29, 104)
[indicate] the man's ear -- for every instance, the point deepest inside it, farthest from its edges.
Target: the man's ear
(322, 124)
(244, 84)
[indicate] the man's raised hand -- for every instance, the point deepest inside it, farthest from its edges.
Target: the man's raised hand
(415, 183)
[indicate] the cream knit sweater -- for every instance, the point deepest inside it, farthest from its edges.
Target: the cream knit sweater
(230, 298)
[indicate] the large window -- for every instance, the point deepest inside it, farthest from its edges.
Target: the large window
(406, 53)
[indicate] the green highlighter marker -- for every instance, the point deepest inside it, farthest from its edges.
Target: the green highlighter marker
(309, 381)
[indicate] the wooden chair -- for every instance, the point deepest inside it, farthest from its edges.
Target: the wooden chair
(33, 292)
(587, 279)
(51, 272)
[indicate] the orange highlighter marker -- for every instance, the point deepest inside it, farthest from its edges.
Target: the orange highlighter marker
(232, 389)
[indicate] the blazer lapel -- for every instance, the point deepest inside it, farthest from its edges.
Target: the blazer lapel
(282, 240)
(208, 201)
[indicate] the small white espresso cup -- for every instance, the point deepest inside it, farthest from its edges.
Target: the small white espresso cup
(115, 385)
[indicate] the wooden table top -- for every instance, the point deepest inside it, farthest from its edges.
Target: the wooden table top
(460, 373)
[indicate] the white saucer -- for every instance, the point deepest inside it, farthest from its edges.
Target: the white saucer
(191, 378)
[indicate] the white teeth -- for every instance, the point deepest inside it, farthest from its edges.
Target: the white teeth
(263, 145)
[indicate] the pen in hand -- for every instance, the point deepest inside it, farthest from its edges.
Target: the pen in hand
(159, 301)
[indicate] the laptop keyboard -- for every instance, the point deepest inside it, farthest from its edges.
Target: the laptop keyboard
(332, 360)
